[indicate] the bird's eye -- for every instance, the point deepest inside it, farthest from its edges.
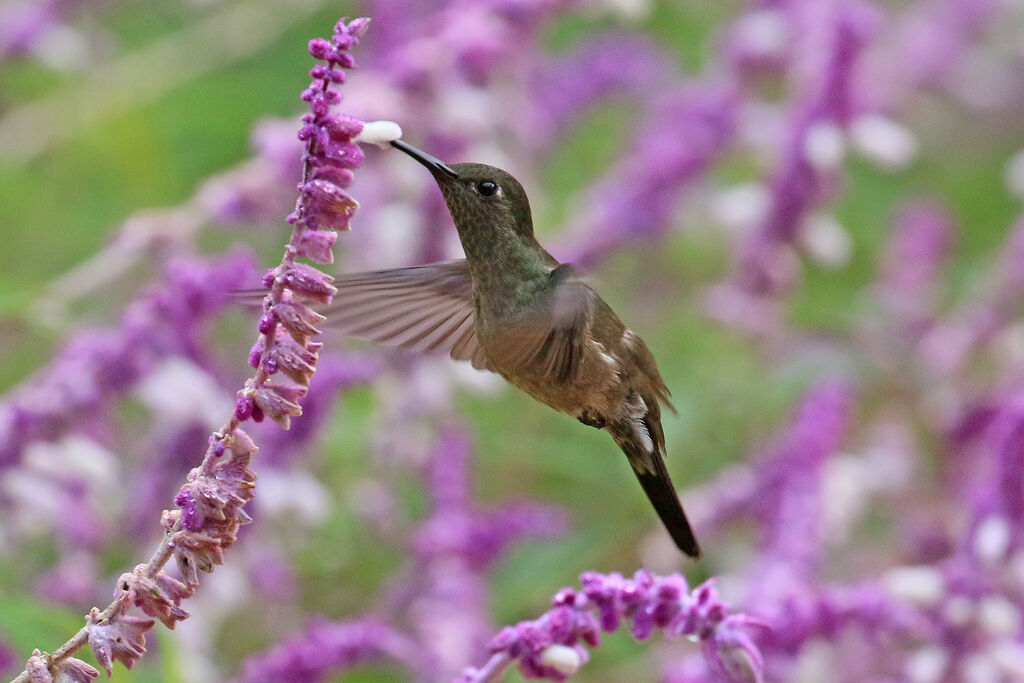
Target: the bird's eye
(487, 188)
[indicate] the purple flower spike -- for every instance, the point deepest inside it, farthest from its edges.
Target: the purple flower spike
(165, 325)
(328, 137)
(922, 239)
(211, 511)
(269, 277)
(341, 128)
(550, 647)
(339, 177)
(326, 648)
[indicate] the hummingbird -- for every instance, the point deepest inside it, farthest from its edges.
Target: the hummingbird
(511, 308)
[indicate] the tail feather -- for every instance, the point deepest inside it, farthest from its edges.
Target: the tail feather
(650, 470)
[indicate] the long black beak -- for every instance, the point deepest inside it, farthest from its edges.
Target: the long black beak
(428, 160)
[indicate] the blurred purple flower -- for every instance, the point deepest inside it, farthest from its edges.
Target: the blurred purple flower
(554, 646)
(96, 368)
(992, 477)
(790, 504)
(456, 528)
(23, 23)
(601, 67)
(955, 339)
(71, 582)
(7, 656)
(455, 547)
(812, 153)
(781, 489)
(327, 648)
(760, 42)
(933, 36)
(637, 198)
(814, 435)
(867, 611)
(921, 242)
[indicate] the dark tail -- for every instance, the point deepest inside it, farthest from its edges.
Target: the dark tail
(649, 467)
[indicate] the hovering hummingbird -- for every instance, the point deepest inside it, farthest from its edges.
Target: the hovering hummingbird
(511, 308)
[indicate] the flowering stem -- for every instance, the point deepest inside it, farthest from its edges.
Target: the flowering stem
(212, 498)
(554, 646)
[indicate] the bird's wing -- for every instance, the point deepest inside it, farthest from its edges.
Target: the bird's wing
(644, 360)
(552, 335)
(425, 308)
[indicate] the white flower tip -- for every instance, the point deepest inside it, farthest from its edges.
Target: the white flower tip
(1009, 656)
(999, 616)
(883, 141)
(763, 32)
(824, 146)
(379, 133)
(920, 585)
(740, 206)
(826, 241)
(565, 660)
(958, 610)
(992, 539)
(927, 665)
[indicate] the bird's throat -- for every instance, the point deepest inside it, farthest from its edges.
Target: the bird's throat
(508, 275)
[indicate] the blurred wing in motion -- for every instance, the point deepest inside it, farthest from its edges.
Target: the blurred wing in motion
(552, 335)
(427, 309)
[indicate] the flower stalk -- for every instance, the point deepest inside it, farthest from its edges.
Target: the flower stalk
(210, 504)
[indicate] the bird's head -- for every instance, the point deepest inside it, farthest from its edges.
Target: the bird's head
(480, 197)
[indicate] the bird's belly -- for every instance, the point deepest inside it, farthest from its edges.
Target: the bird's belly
(595, 388)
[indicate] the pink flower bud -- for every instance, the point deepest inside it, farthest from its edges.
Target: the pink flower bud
(298, 319)
(120, 638)
(276, 407)
(316, 245)
(309, 284)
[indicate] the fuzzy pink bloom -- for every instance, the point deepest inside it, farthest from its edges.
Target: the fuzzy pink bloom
(121, 638)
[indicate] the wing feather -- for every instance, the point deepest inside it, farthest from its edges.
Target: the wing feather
(551, 336)
(425, 308)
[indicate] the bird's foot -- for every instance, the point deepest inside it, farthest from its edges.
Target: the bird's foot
(591, 419)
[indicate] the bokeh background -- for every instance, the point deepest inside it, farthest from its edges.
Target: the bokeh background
(807, 208)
